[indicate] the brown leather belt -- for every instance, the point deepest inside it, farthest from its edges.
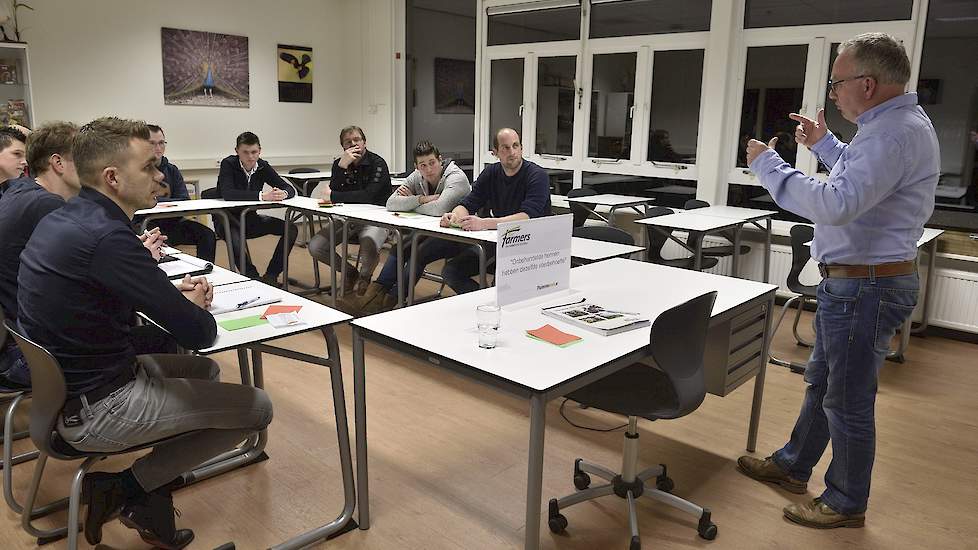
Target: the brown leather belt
(867, 271)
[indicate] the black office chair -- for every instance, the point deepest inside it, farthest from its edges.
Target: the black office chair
(657, 240)
(715, 251)
(669, 384)
(49, 394)
(801, 253)
(580, 211)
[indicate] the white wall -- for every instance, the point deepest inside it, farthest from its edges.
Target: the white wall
(102, 57)
(440, 34)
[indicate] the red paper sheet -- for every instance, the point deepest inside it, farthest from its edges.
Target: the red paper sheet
(276, 309)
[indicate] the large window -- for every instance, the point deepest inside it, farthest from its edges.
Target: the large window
(523, 27)
(779, 13)
(639, 17)
(948, 92)
(505, 95)
(773, 89)
(556, 95)
(677, 81)
(612, 99)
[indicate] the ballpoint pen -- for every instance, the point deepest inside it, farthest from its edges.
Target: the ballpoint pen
(246, 302)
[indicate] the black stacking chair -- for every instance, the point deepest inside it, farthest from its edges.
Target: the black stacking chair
(668, 384)
(580, 212)
(801, 253)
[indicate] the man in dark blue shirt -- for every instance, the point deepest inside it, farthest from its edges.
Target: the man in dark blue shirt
(511, 189)
(25, 203)
(13, 155)
(178, 230)
(241, 178)
(83, 276)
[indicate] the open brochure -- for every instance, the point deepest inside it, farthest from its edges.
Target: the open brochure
(175, 267)
(596, 318)
(242, 296)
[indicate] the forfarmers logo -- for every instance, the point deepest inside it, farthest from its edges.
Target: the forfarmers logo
(512, 238)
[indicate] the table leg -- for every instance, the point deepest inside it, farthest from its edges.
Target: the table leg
(767, 252)
(285, 250)
(341, 523)
(332, 251)
(244, 241)
(534, 476)
(482, 266)
(360, 418)
(698, 255)
(736, 252)
(346, 252)
(400, 268)
(755, 408)
(928, 286)
(226, 223)
(412, 267)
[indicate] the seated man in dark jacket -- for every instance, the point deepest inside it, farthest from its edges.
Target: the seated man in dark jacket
(83, 276)
(242, 178)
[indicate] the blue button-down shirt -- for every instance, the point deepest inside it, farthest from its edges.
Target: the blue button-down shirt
(873, 207)
(83, 275)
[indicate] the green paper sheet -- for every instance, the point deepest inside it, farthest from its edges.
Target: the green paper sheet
(242, 322)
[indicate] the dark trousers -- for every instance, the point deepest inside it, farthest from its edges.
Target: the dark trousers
(257, 225)
(183, 231)
(462, 264)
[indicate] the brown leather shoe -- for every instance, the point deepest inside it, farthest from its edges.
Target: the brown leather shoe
(767, 470)
(819, 515)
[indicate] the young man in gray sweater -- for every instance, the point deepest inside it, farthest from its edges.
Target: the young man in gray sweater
(432, 189)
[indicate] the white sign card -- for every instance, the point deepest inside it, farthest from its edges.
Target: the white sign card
(532, 258)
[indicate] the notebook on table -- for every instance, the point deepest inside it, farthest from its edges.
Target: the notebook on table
(597, 318)
(242, 296)
(176, 268)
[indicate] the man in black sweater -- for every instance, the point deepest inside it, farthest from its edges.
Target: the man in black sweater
(13, 155)
(83, 276)
(242, 177)
(358, 176)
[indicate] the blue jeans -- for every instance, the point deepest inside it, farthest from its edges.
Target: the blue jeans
(429, 250)
(855, 321)
(13, 366)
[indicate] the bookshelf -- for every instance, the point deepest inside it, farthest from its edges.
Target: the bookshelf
(16, 102)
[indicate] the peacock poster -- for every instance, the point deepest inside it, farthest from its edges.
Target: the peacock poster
(204, 68)
(294, 74)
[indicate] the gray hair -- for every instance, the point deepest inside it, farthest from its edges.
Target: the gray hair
(879, 55)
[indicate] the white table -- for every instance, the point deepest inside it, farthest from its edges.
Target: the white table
(450, 342)
(714, 219)
(179, 209)
(593, 250)
(316, 317)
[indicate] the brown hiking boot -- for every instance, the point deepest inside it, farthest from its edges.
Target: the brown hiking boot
(767, 470)
(375, 300)
(361, 285)
(819, 515)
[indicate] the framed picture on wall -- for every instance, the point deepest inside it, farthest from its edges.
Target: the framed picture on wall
(294, 74)
(454, 86)
(204, 68)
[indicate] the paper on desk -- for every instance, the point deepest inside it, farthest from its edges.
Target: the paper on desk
(242, 322)
(553, 335)
(281, 320)
(275, 310)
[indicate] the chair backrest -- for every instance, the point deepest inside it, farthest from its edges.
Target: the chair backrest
(3, 330)
(306, 185)
(801, 253)
(605, 233)
(48, 391)
(580, 211)
(677, 343)
(212, 193)
(693, 204)
(654, 237)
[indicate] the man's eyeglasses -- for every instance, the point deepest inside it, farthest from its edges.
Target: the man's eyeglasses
(158, 143)
(833, 85)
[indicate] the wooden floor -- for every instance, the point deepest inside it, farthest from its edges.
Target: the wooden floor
(448, 462)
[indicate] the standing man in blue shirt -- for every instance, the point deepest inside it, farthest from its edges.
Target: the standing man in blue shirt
(512, 189)
(178, 230)
(868, 216)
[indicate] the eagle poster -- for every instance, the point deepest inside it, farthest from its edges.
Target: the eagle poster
(204, 68)
(294, 74)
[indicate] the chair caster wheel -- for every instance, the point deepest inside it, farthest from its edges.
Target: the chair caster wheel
(706, 528)
(635, 544)
(555, 520)
(582, 481)
(664, 484)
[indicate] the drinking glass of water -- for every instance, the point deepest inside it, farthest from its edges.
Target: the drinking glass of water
(487, 319)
